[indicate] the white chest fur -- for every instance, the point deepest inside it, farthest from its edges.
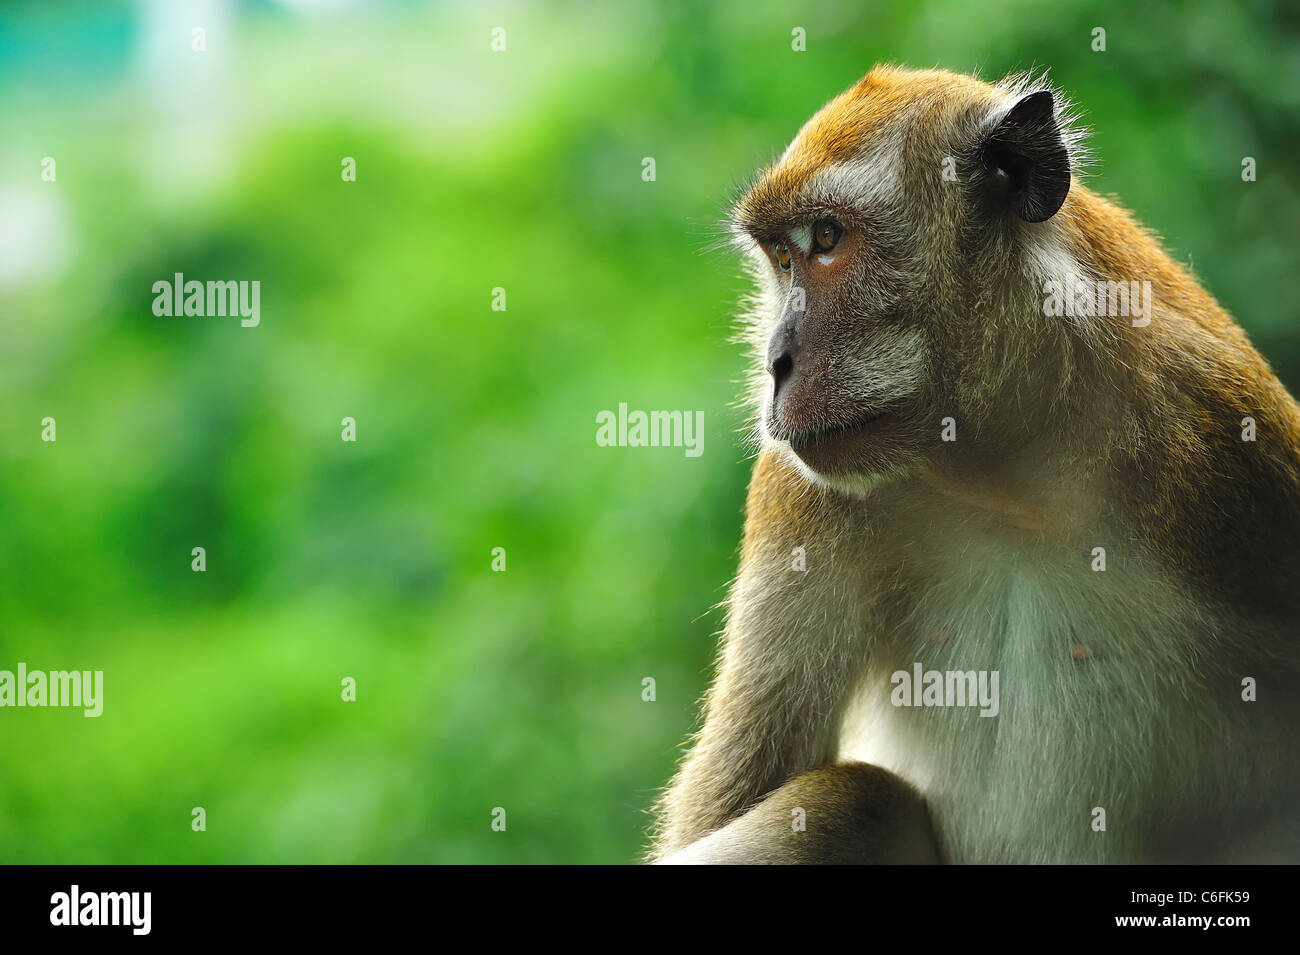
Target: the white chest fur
(1113, 711)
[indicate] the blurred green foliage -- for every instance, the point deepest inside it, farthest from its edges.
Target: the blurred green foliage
(475, 428)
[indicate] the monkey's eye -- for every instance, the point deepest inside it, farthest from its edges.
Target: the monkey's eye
(826, 232)
(783, 256)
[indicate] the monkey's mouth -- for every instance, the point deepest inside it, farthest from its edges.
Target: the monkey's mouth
(829, 438)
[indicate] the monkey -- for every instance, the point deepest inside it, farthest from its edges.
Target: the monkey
(1000, 433)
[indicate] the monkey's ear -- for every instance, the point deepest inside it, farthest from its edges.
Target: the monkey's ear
(1026, 159)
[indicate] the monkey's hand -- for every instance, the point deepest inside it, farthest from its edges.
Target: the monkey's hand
(846, 814)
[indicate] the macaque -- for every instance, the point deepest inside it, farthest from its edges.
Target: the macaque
(1046, 501)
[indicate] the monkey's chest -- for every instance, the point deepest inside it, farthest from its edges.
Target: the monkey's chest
(1020, 709)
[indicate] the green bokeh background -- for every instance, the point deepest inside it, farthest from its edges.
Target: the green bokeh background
(475, 428)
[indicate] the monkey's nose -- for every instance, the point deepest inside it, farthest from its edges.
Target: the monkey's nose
(781, 352)
(780, 368)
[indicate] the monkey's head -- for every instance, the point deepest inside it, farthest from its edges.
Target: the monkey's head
(897, 246)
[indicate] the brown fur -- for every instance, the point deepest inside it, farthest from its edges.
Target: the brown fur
(1072, 431)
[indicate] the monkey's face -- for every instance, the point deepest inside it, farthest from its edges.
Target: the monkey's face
(866, 239)
(847, 366)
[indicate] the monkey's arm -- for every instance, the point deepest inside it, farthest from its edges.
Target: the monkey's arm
(786, 664)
